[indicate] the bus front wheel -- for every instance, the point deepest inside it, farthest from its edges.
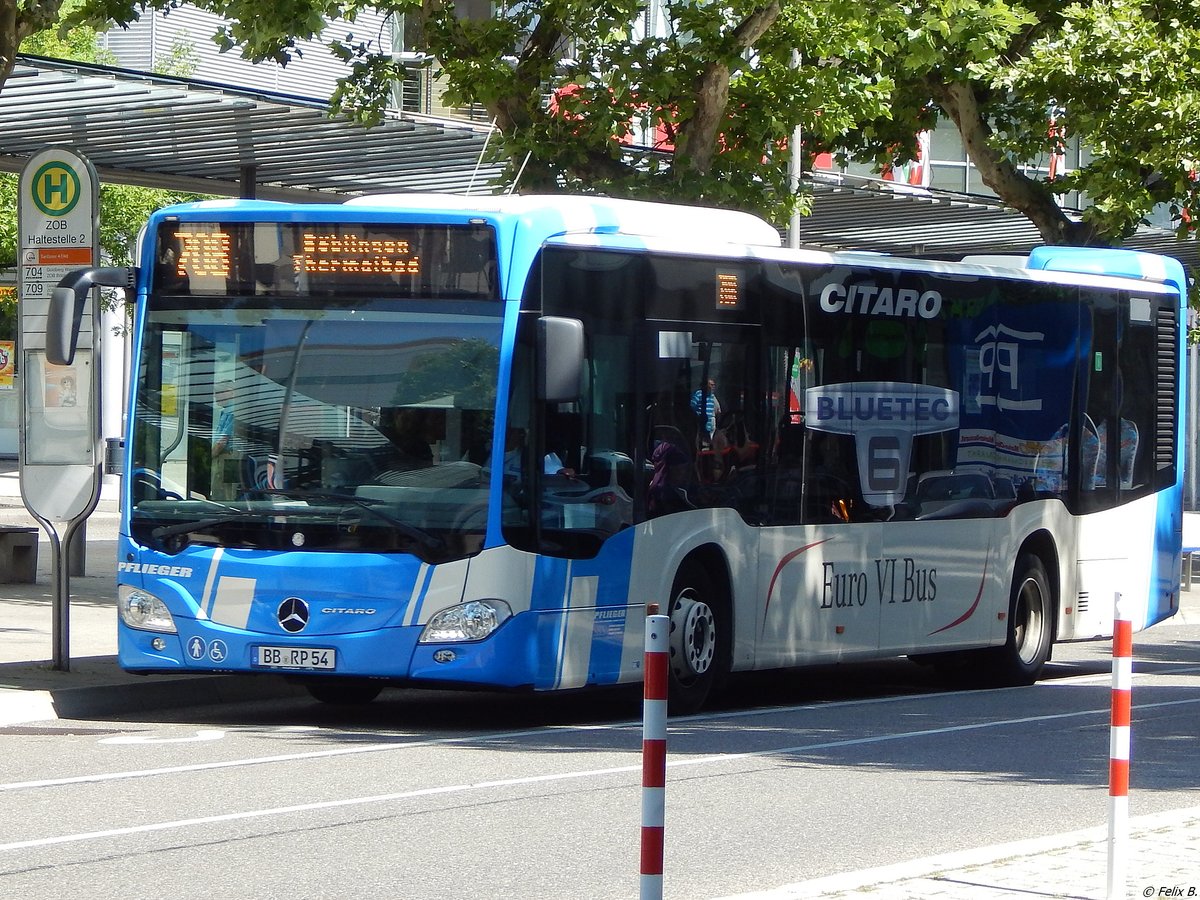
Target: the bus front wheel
(698, 639)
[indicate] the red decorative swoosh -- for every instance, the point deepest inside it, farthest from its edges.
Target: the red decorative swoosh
(970, 612)
(779, 568)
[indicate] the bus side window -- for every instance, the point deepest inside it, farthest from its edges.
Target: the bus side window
(1145, 461)
(1102, 425)
(1127, 447)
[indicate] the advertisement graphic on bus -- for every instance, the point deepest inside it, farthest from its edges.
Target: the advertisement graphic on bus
(465, 441)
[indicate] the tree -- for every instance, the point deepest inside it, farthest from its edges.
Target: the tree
(124, 208)
(19, 19)
(1119, 74)
(720, 80)
(705, 77)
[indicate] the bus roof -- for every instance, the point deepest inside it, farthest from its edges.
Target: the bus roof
(588, 214)
(1083, 266)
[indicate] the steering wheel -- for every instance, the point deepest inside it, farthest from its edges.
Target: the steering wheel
(144, 478)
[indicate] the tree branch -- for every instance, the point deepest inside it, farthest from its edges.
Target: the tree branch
(1029, 197)
(698, 136)
(17, 22)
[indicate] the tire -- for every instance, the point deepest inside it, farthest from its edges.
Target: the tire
(699, 639)
(343, 691)
(1030, 626)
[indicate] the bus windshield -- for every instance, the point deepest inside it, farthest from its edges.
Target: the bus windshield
(273, 424)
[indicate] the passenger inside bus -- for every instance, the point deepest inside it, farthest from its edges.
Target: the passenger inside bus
(411, 431)
(511, 463)
(667, 493)
(564, 440)
(512, 466)
(226, 469)
(707, 407)
(741, 453)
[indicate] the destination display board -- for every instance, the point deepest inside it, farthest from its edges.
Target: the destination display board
(325, 259)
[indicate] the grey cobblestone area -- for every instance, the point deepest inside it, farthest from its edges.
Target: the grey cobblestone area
(1162, 859)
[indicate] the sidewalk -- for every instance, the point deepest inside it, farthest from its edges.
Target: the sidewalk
(1162, 860)
(94, 685)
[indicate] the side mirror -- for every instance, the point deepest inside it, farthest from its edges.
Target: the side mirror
(65, 314)
(560, 359)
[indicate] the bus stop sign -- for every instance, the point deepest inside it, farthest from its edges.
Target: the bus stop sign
(60, 462)
(59, 458)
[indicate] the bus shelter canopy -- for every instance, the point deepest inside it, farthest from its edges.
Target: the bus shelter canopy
(853, 212)
(157, 131)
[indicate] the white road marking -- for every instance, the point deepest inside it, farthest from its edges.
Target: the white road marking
(387, 746)
(204, 734)
(536, 779)
(265, 760)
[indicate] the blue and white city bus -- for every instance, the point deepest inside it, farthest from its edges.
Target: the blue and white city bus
(466, 441)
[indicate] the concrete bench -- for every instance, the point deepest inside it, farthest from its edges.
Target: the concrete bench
(18, 553)
(1187, 566)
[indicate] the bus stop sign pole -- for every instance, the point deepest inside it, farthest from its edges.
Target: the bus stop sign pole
(59, 447)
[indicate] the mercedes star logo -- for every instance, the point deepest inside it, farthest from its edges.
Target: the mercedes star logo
(293, 614)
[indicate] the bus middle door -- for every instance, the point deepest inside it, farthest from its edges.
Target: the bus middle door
(941, 578)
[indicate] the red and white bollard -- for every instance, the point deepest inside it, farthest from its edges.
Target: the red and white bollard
(654, 752)
(1118, 750)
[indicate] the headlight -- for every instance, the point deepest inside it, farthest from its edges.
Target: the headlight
(466, 622)
(143, 610)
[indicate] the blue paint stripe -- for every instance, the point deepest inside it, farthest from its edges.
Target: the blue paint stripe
(420, 601)
(549, 595)
(612, 567)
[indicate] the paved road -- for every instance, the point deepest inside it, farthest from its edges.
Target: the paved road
(837, 782)
(431, 794)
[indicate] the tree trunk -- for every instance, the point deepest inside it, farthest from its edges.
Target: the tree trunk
(10, 40)
(699, 135)
(18, 20)
(1029, 197)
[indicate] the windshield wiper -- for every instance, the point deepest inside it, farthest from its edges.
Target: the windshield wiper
(219, 514)
(427, 539)
(166, 531)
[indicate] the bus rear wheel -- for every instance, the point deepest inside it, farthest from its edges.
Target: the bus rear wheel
(698, 639)
(343, 691)
(1030, 625)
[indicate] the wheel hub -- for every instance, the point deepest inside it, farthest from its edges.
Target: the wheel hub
(693, 637)
(1027, 629)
